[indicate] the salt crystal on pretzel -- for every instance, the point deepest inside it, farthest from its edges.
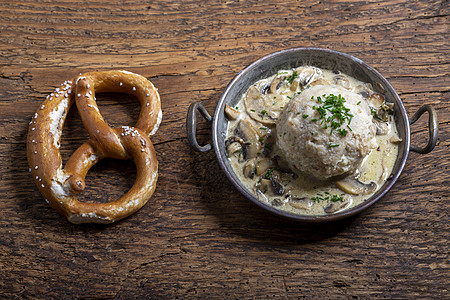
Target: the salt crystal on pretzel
(59, 185)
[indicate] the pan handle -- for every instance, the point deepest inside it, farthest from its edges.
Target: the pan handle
(432, 128)
(191, 126)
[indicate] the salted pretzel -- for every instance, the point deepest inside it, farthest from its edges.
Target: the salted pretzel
(59, 185)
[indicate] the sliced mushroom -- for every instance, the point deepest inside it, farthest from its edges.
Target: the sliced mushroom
(264, 186)
(294, 85)
(254, 92)
(382, 127)
(376, 100)
(301, 203)
(365, 90)
(234, 148)
(395, 139)
(231, 112)
(276, 182)
(277, 83)
(234, 139)
(252, 146)
(269, 187)
(264, 89)
(319, 81)
(249, 169)
(306, 75)
(277, 186)
(234, 145)
(261, 196)
(338, 205)
(264, 164)
(264, 108)
(352, 185)
(342, 81)
(365, 94)
(261, 130)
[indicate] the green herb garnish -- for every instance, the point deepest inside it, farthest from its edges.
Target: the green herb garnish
(333, 198)
(333, 113)
(263, 113)
(268, 174)
(292, 77)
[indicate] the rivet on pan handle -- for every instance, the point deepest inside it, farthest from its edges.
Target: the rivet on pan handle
(432, 128)
(191, 126)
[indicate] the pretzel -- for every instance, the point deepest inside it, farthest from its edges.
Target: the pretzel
(59, 185)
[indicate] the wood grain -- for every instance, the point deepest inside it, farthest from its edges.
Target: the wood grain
(198, 237)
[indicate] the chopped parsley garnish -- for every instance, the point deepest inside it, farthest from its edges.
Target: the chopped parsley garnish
(331, 197)
(333, 114)
(292, 77)
(332, 145)
(268, 174)
(305, 116)
(263, 113)
(252, 110)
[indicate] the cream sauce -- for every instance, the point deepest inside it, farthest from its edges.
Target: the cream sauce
(298, 190)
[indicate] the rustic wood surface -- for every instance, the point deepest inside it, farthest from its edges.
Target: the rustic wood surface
(198, 237)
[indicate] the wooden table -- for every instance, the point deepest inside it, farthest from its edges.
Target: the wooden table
(198, 237)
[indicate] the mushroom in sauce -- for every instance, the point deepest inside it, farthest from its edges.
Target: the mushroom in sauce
(352, 185)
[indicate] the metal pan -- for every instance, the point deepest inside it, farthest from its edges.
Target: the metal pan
(322, 58)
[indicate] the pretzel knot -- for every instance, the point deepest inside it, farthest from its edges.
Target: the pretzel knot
(59, 185)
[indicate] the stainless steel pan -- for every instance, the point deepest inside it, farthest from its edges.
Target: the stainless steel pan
(322, 58)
